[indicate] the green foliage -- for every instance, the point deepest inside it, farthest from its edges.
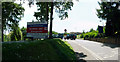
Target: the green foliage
(64, 49)
(61, 8)
(109, 11)
(11, 14)
(91, 34)
(53, 32)
(81, 35)
(91, 30)
(66, 33)
(46, 8)
(49, 49)
(24, 31)
(104, 29)
(16, 33)
(6, 38)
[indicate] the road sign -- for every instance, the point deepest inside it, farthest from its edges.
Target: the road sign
(37, 30)
(100, 29)
(65, 30)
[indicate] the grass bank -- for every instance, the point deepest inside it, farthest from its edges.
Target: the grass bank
(49, 49)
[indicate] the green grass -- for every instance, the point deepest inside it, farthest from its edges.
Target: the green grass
(49, 49)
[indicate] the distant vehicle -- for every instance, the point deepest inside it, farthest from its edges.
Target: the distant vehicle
(66, 37)
(60, 36)
(70, 36)
(54, 35)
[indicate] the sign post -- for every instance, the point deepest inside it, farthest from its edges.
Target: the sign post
(65, 32)
(100, 29)
(37, 30)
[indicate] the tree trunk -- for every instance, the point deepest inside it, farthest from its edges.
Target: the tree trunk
(50, 34)
(47, 9)
(2, 34)
(47, 12)
(1, 22)
(109, 28)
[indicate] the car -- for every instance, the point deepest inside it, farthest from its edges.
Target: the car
(66, 37)
(54, 35)
(72, 36)
(60, 36)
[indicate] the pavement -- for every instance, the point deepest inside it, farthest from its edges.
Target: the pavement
(92, 51)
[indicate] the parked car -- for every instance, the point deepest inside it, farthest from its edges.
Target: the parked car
(73, 36)
(60, 36)
(66, 37)
(54, 35)
(70, 36)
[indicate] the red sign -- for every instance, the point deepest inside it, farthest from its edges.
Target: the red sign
(37, 30)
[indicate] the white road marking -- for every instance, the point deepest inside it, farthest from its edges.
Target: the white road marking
(96, 56)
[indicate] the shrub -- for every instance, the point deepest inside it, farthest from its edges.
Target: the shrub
(82, 35)
(16, 35)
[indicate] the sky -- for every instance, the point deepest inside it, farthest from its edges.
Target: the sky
(81, 17)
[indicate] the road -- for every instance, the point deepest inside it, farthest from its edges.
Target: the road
(95, 50)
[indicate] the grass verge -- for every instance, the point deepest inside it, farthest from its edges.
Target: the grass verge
(49, 49)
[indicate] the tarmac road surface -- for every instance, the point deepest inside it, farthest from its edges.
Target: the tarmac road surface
(92, 50)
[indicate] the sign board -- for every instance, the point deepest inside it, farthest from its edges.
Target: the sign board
(100, 29)
(37, 30)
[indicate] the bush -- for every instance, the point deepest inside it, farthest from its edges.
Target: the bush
(82, 35)
(16, 35)
(91, 34)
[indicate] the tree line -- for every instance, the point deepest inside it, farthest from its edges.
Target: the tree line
(13, 12)
(110, 11)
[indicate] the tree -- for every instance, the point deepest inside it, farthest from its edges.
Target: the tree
(51, 18)
(83, 31)
(16, 33)
(60, 7)
(24, 32)
(91, 30)
(109, 11)
(53, 32)
(11, 14)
